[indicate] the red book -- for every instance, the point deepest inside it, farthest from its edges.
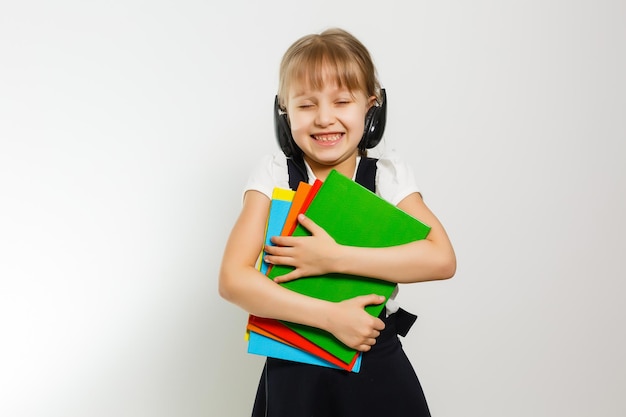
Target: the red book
(284, 333)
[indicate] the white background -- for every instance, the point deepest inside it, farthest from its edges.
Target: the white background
(127, 130)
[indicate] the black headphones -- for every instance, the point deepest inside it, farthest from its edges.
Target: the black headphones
(375, 120)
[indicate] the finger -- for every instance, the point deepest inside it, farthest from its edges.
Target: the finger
(270, 249)
(371, 299)
(277, 250)
(379, 325)
(366, 345)
(370, 341)
(309, 224)
(363, 348)
(287, 277)
(283, 240)
(276, 259)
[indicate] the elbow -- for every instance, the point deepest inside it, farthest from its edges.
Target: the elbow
(224, 292)
(224, 287)
(449, 270)
(447, 267)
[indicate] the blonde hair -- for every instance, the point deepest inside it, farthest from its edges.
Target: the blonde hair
(333, 55)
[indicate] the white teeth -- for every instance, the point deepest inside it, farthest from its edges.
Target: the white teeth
(328, 138)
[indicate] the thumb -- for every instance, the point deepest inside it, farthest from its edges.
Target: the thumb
(308, 224)
(371, 299)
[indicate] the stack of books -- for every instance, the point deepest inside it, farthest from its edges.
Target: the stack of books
(353, 216)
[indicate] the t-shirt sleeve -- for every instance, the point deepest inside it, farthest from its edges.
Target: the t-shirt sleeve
(269, 172)
(395, 179)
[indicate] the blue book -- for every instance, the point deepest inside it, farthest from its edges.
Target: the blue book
(259, 344)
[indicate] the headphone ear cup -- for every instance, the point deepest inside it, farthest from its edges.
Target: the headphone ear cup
(282, 131)
(375, 121)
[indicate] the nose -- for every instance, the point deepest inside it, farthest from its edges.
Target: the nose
(325, 115)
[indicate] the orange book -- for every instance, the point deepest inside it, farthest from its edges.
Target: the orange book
(292, 217)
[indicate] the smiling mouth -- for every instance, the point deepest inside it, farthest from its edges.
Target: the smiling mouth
(328, 138)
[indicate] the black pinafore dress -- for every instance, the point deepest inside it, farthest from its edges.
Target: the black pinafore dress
(386, 384)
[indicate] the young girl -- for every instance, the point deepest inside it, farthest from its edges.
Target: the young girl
(330, 95)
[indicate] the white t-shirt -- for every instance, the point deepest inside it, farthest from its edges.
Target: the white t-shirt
(394, 182)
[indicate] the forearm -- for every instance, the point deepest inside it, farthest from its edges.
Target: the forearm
(417, 261)
(260, 296)
(429, 259)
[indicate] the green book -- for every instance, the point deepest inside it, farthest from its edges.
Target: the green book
(353, 216)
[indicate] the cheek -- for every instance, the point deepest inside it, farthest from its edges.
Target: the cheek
(299, 126)
(358, 123)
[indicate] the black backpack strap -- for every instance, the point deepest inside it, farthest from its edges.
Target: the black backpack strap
(365, 173)
(297, 173)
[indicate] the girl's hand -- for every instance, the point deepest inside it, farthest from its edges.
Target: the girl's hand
(353, 326)
(309, 255)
